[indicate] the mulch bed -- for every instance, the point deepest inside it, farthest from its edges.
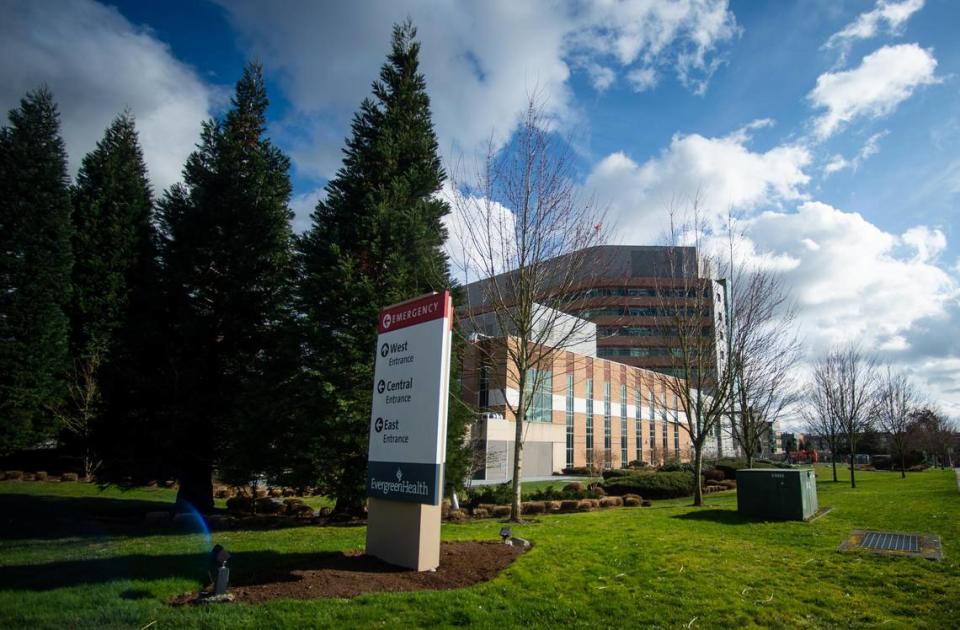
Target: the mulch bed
(349, 574)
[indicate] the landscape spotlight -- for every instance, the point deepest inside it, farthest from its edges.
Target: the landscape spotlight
(505, 533)
(220, 557)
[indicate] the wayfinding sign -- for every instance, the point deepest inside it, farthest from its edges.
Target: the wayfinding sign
(408, 422)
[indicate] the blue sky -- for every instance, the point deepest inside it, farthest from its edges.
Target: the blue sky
(831, 129)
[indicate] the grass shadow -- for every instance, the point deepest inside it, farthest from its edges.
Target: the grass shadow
(727, 517)
(247, 568)
(50, 517)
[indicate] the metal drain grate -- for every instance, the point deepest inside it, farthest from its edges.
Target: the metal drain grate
(904, 545)
(884, 541)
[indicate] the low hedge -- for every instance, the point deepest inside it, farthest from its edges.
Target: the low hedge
(615, 473)
(664, 485)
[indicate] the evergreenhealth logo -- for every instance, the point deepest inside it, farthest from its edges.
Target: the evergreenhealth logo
(417, 488)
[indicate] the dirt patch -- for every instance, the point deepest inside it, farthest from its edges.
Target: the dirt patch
(350, 574)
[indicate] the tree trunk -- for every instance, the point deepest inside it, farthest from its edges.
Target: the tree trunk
(697, 471)
(853, 473)
(749, 459)
(833, 459)
(518, 457)
(903, 466)
(196, 487)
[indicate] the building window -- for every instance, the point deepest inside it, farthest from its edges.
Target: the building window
(623, 426)
(539, 388)
(483, 391)
(653, 422)
(638, 431)
(607, 429)
(663, 418)
(590, 422)
(676, 426)
(569, 420)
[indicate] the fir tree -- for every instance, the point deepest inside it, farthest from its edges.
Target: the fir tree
(375, 239)
(113, 278)
(226, 253)
(35, 263)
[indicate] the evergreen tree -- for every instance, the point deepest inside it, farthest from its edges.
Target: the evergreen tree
(226, 255)
(375, 239)
(35, 263)
(114, 269)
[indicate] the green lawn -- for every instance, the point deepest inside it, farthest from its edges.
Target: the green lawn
(668, 566)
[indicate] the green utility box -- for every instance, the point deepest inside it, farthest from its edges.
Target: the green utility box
(777, 493)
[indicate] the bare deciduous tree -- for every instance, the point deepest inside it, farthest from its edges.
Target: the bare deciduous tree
(525, 229)
(897, 397)
(847, 379)
(82, 407)
(820, 418)
(701, 373)
(764, 349)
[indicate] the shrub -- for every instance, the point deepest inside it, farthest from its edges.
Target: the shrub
(646, 503)
(729, 467)
(501, 510)
(300, 510)
(29, 476)
(570, 505)
(239, 503)
(40, 475)
(637, 464)
(631, 501)
(575, 486)
(553, 506)
(479, 513)
(714, 474)
(617, 472)
(14, 475)
(533, 507)
(676, 467)
(611, 502)
(486, 506)
(632, 496)
(221, 493)
(729, 484)
(585, 505)
(496, 494)
(577, 470)
(918, 468)
(269, 506)
(597, 490)
(457, 516)
(66, 476)
(668, 485)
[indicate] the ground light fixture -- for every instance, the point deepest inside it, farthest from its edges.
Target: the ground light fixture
(505, 533)
(220, 557)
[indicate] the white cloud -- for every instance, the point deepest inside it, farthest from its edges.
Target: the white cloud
(723, 172)
(884, 79)
(927, 242)
(96, 63)
(836, 163)
(853, 284)
(889, 13)
(643, 79)
(481, 60)
(855, 281)
(870, 148)
(303, 206)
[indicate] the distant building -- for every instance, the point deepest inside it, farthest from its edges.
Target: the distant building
(628, 292)
(588, 412)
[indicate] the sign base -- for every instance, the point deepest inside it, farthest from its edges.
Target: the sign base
(404, 534)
